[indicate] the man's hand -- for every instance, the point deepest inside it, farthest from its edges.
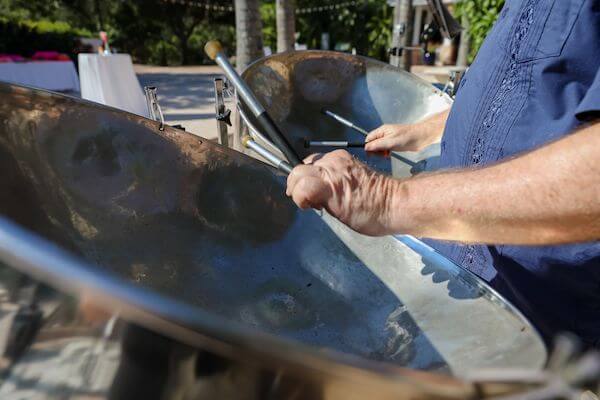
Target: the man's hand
(548, 196)
(391, 137)
(406, 137)
(346, 188)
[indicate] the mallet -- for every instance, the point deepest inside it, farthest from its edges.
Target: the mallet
(280, 164)
(214, 50)
(351, 125)
(332, 143)
(344, 121)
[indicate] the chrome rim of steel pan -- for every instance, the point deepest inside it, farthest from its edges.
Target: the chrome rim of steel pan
(199, 242)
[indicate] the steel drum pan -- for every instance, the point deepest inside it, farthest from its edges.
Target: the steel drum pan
(294, 87)
(148, 263)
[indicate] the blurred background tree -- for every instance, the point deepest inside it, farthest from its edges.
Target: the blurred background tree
(286, 25)
(164, 32)
(480, 16)
(152, 31)
(366, 26)
(173, 33)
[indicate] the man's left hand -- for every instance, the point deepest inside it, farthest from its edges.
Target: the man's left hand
(346, 188)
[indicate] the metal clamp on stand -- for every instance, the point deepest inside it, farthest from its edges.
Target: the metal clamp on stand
(222, 114)
(153, 107)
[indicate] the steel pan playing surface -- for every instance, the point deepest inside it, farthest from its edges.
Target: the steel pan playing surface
(212, 228)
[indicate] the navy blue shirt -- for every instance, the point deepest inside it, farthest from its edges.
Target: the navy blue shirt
(535, 79)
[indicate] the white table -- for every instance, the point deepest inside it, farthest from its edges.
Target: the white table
(111, 80)
(51, 75)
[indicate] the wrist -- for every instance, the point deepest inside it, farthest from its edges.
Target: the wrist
(427, 133)
(401, 208)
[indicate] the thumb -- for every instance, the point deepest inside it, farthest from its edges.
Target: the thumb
(382, 144)
(375, 134)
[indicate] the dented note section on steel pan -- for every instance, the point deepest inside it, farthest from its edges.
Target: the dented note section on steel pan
(188, 220)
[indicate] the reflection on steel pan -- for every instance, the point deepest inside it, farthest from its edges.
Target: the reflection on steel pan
(182, 263)
(295, 87)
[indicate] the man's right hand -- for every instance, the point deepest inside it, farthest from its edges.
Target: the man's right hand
(390, 137)
(406, 137)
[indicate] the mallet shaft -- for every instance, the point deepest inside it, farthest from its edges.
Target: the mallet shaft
(280, 164)
(333, 143)
(344, 121)
(215, 52)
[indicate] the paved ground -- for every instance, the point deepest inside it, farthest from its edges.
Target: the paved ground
(185, 94)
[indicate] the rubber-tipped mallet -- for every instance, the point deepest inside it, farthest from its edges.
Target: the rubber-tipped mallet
(351, 125)
(215, 52)
(280, 164)
(332, 143)
(344, 121)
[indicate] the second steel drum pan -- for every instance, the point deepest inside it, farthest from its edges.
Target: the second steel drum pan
(295, 87)
(199, 243)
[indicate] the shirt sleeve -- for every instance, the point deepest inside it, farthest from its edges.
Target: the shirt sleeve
(589, 107)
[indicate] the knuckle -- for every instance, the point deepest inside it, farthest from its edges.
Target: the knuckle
(302, 186)
(341, 154)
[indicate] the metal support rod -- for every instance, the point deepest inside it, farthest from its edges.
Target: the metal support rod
(280, 164)
(402, 33)
(214, 50)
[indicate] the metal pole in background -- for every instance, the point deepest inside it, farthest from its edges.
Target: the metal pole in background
(402, 34)
(465, 44)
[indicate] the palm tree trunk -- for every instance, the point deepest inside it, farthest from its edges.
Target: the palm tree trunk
(248, 27)
(465, 44)
(286, 25)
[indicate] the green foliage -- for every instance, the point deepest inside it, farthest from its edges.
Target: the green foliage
(161, 32)
(49, 27)
(379, 27)
(25, 37)
(269, 21)
(480, 15)
(152, 31)
(365, 27)
(176, 31)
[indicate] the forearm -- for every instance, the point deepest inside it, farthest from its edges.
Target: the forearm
(548, 196)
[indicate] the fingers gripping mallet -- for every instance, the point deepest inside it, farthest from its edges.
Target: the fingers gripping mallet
(214, 50)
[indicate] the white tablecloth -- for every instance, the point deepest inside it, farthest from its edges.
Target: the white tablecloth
(111, 80)
(50, 75)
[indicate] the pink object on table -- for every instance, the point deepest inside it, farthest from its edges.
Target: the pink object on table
(4, 59)
(45, 55)
(12, 57)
